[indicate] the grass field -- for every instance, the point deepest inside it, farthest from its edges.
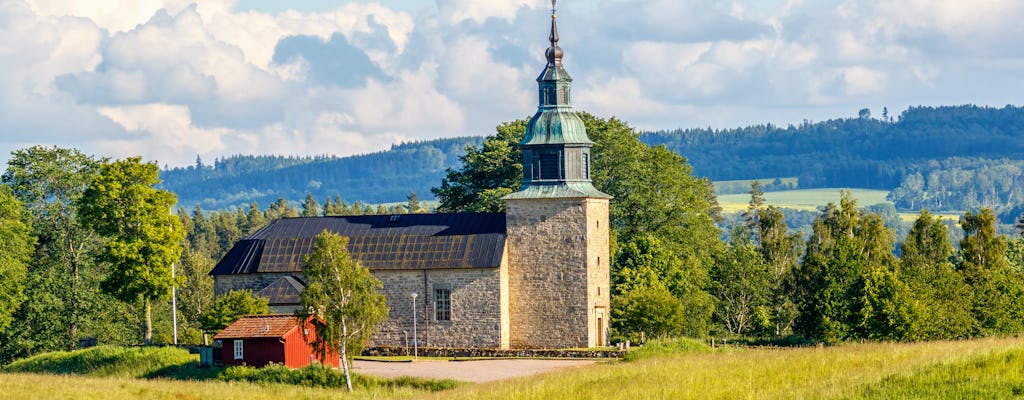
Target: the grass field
(805, 199)
(976, 369)
(990, 368)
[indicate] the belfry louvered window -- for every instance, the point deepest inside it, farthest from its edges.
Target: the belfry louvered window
(550, 166)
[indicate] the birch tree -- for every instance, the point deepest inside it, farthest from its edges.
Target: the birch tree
(341, 301)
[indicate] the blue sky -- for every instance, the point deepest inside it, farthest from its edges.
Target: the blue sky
(173, 79)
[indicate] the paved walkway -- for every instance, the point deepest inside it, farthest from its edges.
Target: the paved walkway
(467, 371)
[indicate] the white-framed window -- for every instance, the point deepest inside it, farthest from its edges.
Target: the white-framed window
(238, 349)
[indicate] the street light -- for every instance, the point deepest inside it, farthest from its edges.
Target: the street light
(415, 348)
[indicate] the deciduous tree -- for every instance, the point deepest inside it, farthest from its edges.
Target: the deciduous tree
(229, 308)
(16, 246)
(944, 297)
(142, 237)
(48, 180)
(340, 299)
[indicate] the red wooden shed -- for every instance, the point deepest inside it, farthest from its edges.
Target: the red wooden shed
(257, 340)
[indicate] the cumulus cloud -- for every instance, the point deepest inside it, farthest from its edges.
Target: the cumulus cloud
(169, 79)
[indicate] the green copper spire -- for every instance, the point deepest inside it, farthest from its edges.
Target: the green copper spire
(556, 149)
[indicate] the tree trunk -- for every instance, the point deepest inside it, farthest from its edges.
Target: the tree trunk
(147, 327)
(344, 357)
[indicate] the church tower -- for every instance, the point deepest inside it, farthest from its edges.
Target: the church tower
(557, 226)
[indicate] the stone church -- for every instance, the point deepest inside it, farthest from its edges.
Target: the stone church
(535, 277)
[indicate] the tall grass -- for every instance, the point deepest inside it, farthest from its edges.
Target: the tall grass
(803, 373)
(39, 386)
(159, 364)
(129, 362)
(993, 376)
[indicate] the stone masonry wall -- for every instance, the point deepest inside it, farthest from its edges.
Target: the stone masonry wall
(476, 315)
(555, 272)
(476, 318)
(222, 284)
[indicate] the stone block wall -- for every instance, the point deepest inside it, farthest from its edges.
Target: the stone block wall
(476, 316)
(557, 264)
(222, 284)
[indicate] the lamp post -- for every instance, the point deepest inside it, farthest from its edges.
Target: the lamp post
(415, 347)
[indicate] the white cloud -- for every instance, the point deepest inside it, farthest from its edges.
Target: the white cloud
(162, 129)
(169, 79)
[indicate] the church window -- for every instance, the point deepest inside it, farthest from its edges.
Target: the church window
(442, 304)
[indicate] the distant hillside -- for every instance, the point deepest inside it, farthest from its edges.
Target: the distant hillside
(381, 177)
(857, 152)
(942, 158)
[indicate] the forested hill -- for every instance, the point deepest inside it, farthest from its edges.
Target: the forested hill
(386, 176)
(941, 158)
(863, 152)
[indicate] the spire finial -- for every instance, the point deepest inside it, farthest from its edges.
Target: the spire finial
(554, 53)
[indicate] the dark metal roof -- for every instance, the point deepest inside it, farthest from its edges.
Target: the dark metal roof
(379, 242)
(285, 290)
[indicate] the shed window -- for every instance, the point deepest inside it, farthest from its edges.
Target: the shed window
(443, 304)
(238, 349)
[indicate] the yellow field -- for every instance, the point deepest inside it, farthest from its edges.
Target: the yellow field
(984, 368)
(809, 373)
(806, 199)
(34, 386)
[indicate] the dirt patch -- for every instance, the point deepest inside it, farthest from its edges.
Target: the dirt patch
(468, 371)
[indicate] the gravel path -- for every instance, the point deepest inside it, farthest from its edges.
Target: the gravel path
(468, 371)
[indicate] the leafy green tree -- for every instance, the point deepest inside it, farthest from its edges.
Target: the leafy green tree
(741, 284)
(944, 297)
(341, 300)
(48, 180)
(413, 203)
(142, 237)
(229, 308)
(1015, 255)
(254, 219)
(996, 287)
(844, 248)
(781, 253)
(195, 296)
(16, 246)
(280, 209)
(646, 262)
(310, 208)
(754, 209)
(888, 310)
(648, 312)
(488, 173)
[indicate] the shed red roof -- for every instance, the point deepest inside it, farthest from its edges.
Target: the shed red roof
(260, 326)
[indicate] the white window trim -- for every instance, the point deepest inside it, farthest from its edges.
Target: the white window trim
(238, 349)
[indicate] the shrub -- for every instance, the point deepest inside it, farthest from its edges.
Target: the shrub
(665, 347)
